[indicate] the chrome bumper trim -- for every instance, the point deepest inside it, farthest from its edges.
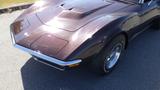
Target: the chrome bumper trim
(47, 58)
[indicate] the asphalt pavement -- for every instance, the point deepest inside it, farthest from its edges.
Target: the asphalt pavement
(139, 68)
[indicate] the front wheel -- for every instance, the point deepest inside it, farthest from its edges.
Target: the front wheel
(108, 58)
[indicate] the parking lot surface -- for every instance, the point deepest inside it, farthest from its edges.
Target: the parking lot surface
(139, 68)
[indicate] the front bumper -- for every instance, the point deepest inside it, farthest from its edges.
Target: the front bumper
(47, 59)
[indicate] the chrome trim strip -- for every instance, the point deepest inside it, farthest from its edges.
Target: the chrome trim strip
(49, 64)
(47, 58)
(12, 36)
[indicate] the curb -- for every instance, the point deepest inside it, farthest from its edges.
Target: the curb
(15, 8)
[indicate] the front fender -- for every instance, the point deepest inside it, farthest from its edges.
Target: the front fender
(99, 32)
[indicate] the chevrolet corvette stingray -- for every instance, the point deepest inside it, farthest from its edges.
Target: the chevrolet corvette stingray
(64, 33)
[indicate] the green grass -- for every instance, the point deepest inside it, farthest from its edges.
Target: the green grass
(7, 3)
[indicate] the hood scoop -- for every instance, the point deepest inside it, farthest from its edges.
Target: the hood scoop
(70, 15)
(79, 8)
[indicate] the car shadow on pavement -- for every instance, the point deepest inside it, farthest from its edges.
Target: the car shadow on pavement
(139, 69)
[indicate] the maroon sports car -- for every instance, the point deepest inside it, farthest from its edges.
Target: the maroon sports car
(65, 33)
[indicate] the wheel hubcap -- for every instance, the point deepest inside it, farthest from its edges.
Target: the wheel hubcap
(112, 59)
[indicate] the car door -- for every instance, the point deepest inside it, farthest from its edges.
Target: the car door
(141, 18)
(149, 11)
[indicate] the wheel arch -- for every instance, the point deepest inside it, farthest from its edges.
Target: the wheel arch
(96, 41)
(126, 38)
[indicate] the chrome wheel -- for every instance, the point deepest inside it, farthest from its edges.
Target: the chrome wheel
(113, 57)
(108, 57)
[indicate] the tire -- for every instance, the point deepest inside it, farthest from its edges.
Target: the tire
(102, 62)
(156, 24)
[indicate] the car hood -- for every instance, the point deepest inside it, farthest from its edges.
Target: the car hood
(53, 25)
(70, 15)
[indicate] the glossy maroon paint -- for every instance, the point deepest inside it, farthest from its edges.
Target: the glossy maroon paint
(58, 27)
